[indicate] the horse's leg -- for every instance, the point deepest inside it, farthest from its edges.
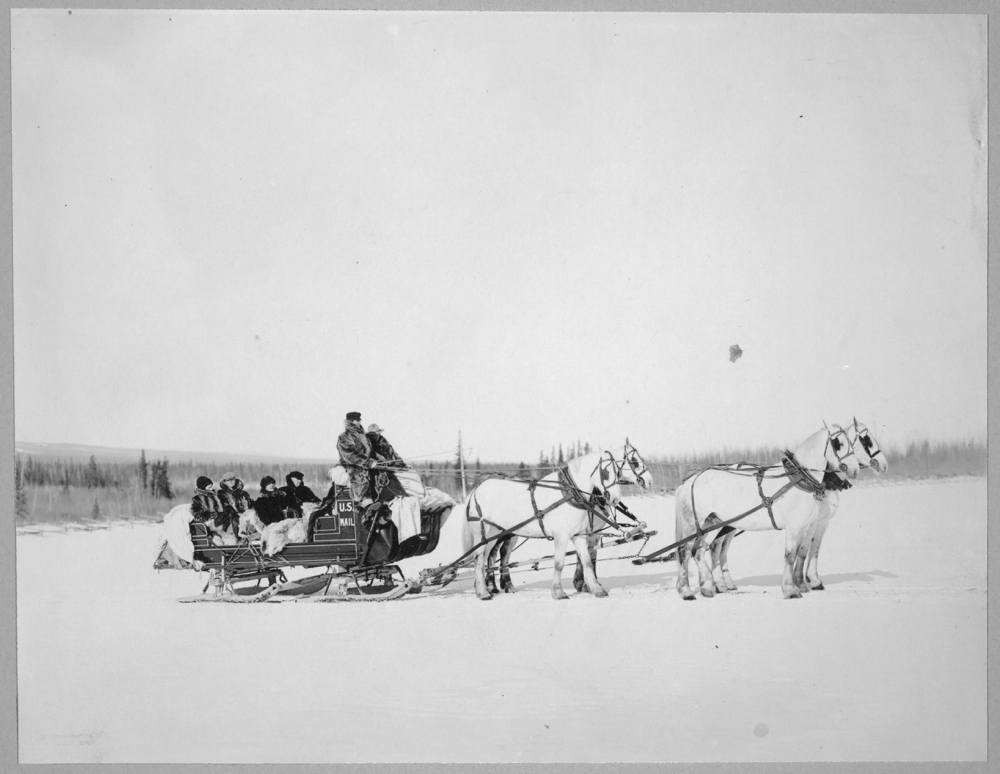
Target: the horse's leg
(683, 527)
(715, 550)
(724, 560)
(491, 562)
(578, 580)
(703, 559)
(802, 556)
(812, 559)
(558, 561)
(827, 509)
(789, 588)
(505, 551)
(581, 544)
(482, 555)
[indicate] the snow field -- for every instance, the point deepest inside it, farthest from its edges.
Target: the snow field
(889, 663)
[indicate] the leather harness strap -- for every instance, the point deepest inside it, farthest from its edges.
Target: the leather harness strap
(766, 501)
(572, 495)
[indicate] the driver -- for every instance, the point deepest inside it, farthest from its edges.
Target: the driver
(356, 455)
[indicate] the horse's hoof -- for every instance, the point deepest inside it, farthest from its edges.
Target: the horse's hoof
(509, 588)
(720, 588)
(793, 594)
(820, 587)
(559, 594)
(731, 587)
(804, 588)
(579, 586)
(485, 596)
(689, 596)
(600, 592)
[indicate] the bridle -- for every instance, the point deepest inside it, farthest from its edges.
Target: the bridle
(842, 447)
(630, 457)
(870, 446)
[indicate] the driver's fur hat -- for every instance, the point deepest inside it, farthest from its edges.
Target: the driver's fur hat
(354, 416)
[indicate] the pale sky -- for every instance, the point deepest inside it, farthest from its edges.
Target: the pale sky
(233, 227)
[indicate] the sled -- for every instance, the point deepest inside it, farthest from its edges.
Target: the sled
(353, 556)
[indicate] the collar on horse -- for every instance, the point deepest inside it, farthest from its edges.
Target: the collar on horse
(801, 478)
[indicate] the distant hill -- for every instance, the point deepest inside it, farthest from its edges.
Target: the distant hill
(69, 451)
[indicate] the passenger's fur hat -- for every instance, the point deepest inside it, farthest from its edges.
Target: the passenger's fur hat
(354, 416)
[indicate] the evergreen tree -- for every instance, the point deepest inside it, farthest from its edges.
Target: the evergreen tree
(522, 470)
(459, 467)
(160, 480)
(561, 460)
(95, 512)
(93, 475)
(586, 448)
(143, 472)
(20, 497)
(165, 482)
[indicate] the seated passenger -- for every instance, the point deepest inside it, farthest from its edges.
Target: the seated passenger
(296, 490)
(235, 501)
(273, 505)
(206, 507)
(385, 485)
(382, 450)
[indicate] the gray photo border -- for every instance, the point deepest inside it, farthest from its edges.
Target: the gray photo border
(8, 628)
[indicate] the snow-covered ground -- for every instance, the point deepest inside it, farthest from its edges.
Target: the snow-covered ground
(889, 663)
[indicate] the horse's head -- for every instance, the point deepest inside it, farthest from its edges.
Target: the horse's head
(870, 455)
(596, 471)
(630, 467)
(839, 452)
(828, 449)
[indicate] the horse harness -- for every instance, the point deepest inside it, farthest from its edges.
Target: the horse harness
(798, 478)
(571, 495)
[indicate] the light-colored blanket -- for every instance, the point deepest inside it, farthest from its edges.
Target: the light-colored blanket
(174, 548)
(405, 511)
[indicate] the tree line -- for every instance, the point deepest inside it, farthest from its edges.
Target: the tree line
(63, 488)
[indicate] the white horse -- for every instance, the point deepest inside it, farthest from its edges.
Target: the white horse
(869, 456)
(784, 497)
(557, 506)
(629, 468)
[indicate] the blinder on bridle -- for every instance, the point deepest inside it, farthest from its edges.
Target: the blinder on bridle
(871, 448)
(841, 446)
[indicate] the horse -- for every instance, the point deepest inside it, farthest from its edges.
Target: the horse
(563, 504)
(629, 468)
(784, 497)
(869, 456)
